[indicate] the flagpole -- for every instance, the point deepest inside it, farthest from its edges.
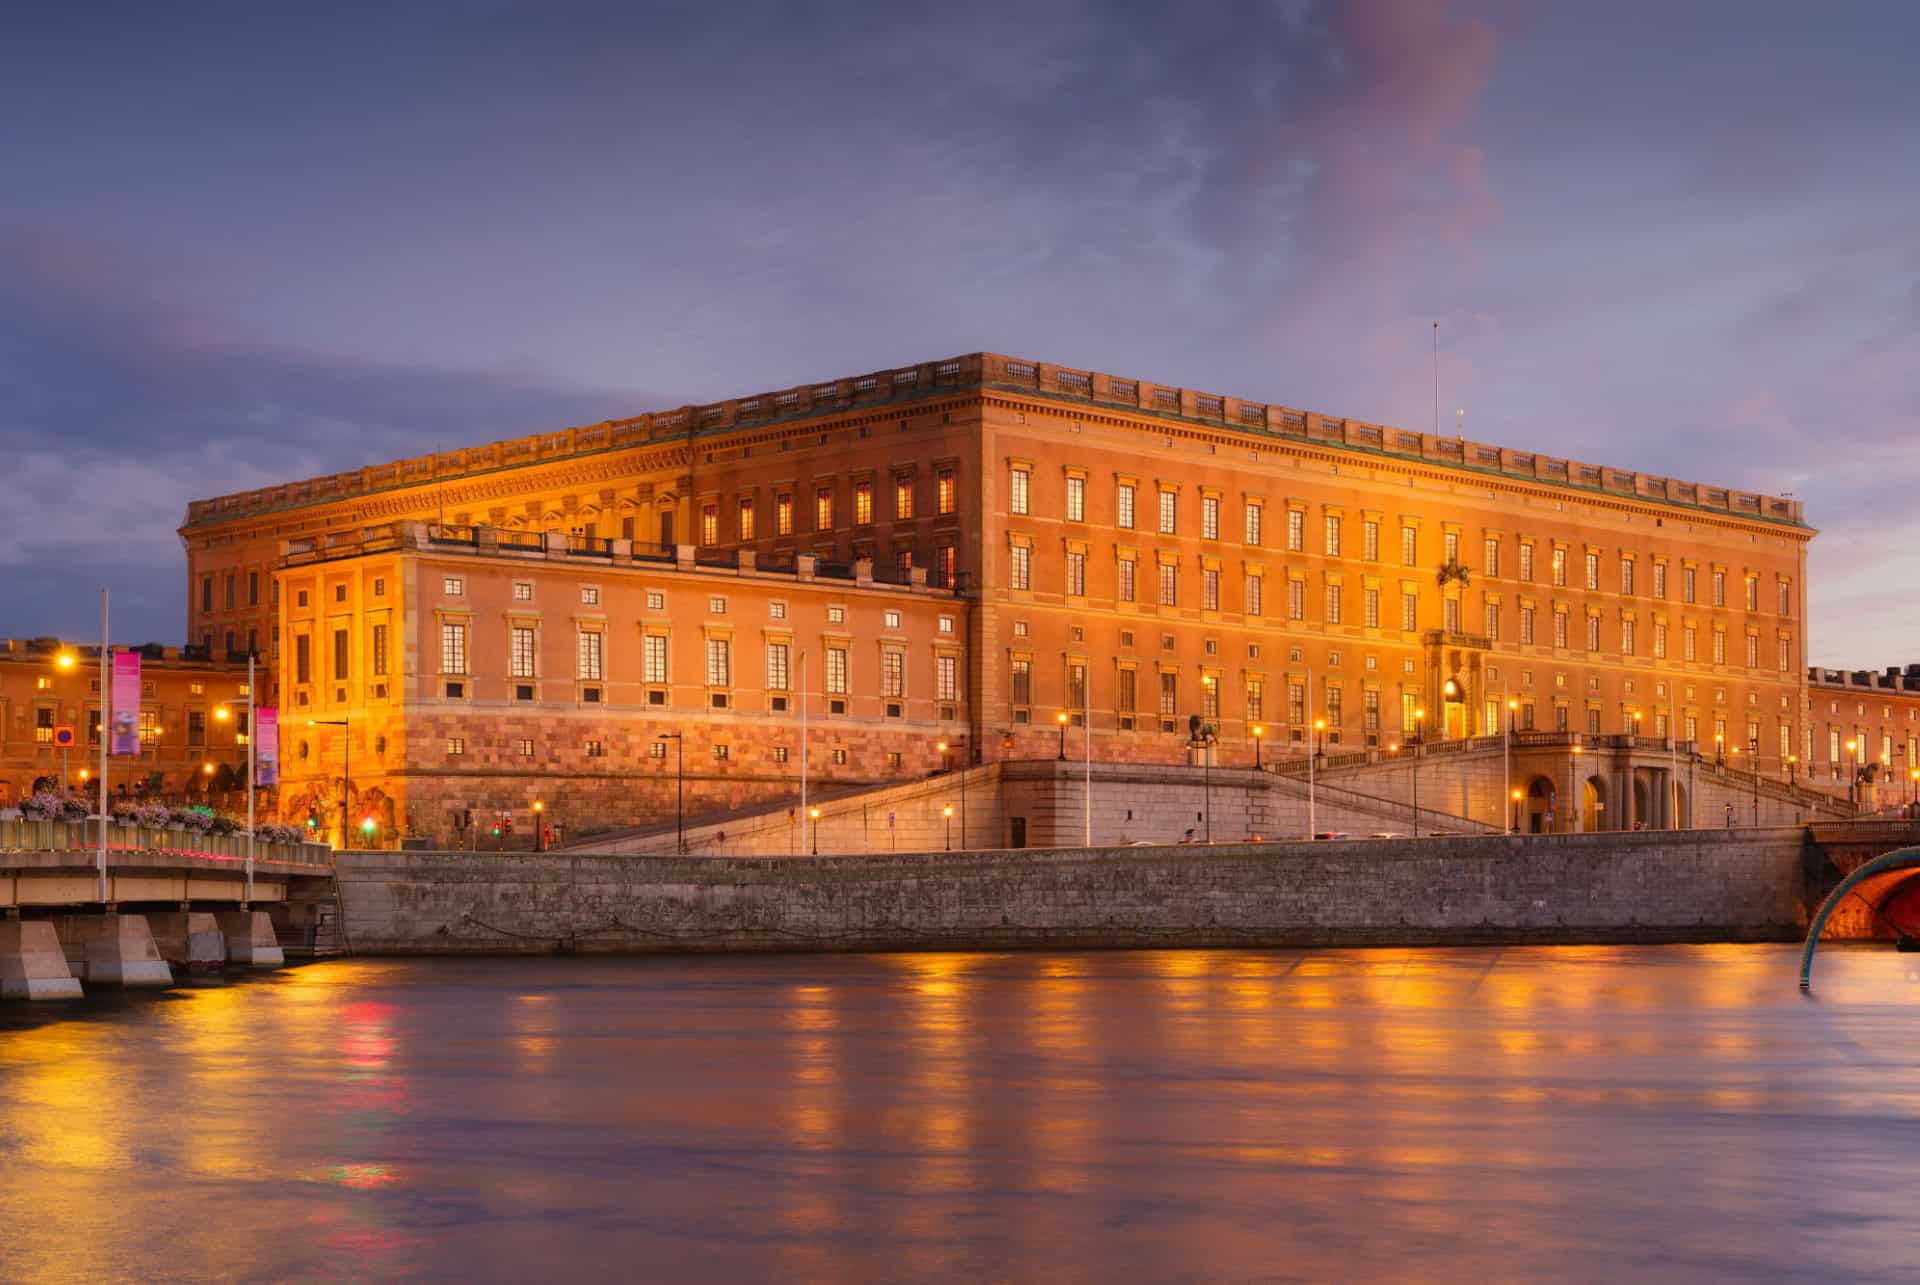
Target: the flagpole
(106, 730)
(251, 737)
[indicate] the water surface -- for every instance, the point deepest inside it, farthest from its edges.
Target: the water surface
(1672, 1113)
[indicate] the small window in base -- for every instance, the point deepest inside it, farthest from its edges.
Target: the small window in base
(836, 707)
(840, 756)
(1021, 716)
(656, 697)
(893, 758)
(590, 695)
(596, 749)
(656, 749)
(1126, 722)
(523, 692)
(720, 751)
(719, 700)
(454, 691)
(779, 753)
(779, 704)
(946, 713)
(524, 747)
(456, 745)
(893, 711)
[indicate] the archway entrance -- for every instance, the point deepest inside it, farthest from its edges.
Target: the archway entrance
(1538, 816)
(1593, 804)
(1682, 808)
(1642, 803)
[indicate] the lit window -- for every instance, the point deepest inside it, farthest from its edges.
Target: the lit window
(596, 749)
(653, 653)
(1123, 507)
(456, 745)
(1076, 499)
(524, 747)
(902, 498)
(1333, 535)
(783, 514)
(1017, 487)
(946, 624)
(656, 600)
(745, 520)
(1168, 512)
(776, 610)
(863, 503)
(892, 619)
(522, 591)
(590, 595)
(452, 586)
(1209, 517)
(1021, 577)
(717, 606)
(836, 615)
(823, 509)
(592, 654)
(719, 662)
(453, 648)
(1255, 513)
(946, 491)
(710, 524)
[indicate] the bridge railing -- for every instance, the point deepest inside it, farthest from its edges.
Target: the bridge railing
(23, 834)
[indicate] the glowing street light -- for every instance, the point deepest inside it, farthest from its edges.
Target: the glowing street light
(1061, 719)
(539, 829)
(1515, 828)
(813, 815)
(948, 813)
(1258, 733)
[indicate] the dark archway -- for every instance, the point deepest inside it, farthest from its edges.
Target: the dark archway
(1537, 817)
(1593, 804)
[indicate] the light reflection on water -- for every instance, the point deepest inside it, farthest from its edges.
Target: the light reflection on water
(1592, 1113)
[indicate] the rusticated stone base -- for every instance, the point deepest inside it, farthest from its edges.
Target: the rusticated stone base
(114, 948)
(250, 939)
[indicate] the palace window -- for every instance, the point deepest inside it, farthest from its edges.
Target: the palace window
(836, 671)
(823, 509)
(1168, 512)
(1169, 693)
(946, 670)
(1123, 507)
(902, 498)
(520, 652)
(893, 674)
(1370, 608)
(777, 672)
(1255, 592)
(1296, 599)
(453, 648)
(379, 651)
(1077, 574)
(1370, 540)
(1022, 688)
(1409, 612)
(863, 503)
(743, 521)
(946, 491)
(719, 662)
(709, 524)
(653, 659)
(1076, 499)
(1169, 585)
(1526, 561)
(1491, 565)
(1333, 604)
(1255, 513)
(1559, 566)
(1209, 589)
(1333, 535)
(1022, 567)
(591, 654)
(1209, 517)
(1686, 584)
(1018, 482)
(783, 514)
(1126, 567)
(1526, 625)
(1296, 531)
(1409, 546)
(1719, 588)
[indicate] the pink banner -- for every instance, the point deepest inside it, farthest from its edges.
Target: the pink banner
(126, 703)
(266, 745)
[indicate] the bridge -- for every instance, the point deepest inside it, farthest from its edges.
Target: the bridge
(151, 901)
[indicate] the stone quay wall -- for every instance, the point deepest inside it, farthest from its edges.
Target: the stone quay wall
(1743, 885)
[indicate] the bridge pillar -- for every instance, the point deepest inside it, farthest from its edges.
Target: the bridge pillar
(189, 938)
(32, 965)
(113, 948)
(250, 939)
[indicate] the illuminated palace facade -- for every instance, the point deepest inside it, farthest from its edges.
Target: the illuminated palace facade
(974, 551)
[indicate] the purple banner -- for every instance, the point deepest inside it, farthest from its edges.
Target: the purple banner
(266, 745)
(126, 703)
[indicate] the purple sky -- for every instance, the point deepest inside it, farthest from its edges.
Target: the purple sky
(245, 243)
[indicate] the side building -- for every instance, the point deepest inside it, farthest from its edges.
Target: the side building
(193, 723)
(1110, 550)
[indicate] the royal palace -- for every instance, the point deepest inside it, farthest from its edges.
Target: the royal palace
(982, 557)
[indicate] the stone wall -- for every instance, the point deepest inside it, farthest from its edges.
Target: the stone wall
(1621, 887)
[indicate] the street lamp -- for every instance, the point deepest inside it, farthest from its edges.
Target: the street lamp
(1419, 723)
(948, 813)
(1853, 771)
(1506, 752)
(1061, 719)
(813, 815)
(948, 751)
(1573, 784)
(680, 804)
(1753, 765)
(346, 766)
(1258, 732)
(1793, 769)
(1313, 738)
(1720, 750)
(539, 829)
(1515, 828)
(1913, 786)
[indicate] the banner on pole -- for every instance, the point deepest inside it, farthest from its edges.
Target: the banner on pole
(126, 702)
(266, 745)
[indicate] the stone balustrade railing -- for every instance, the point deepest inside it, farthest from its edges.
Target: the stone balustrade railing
(23, 834)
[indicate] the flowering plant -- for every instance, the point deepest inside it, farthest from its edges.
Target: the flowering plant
(152, 815)
(198, 820)
(44, 805)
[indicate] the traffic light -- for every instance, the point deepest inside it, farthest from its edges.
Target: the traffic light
(506, 823)
(367, 827)
(313, 821)
(496, 829)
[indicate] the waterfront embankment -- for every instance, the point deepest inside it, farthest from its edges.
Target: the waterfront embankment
(1698, 885)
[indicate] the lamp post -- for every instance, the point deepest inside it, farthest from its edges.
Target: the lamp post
(1506, 755)
(1753, 765)
(1313, 752)
(813, 819)
(1515, 795)
(1913, 787)
(1258, 733)
(1719, 750)
(539, 826)
(948, 813)
(1419, 723)
(1061, 719)
(947, 751)
(1853, 771)
(1793, 772)
(680, 803)
(346, 766)
(1573, 785)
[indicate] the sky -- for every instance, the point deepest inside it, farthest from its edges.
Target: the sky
(245, 243)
